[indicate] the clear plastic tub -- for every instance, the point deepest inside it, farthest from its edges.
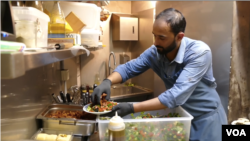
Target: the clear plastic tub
(150, 129)
(54, 135)
(26, 33)
(88, 13)
(90, 37)
(41, 19)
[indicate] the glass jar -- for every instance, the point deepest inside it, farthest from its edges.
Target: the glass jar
(36, 4)
(26, 32)
(56, 28)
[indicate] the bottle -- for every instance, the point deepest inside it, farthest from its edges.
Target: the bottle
(36, 4)
(97, 79)
(116, 129)
(91, 90)
(83, 88)
(56, 26)
(87, 88)
(83, 97)
(87, 97)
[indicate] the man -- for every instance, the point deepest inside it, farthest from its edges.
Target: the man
(185, 66)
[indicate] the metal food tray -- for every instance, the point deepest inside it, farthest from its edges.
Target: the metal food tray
(79, 127)
(49, 131)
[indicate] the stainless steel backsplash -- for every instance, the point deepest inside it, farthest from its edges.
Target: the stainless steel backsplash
(24, 97)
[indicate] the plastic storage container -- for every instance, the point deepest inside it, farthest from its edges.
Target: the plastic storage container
(90, 37)
(31, 14)
(26, 32)
(52, 135)
(88, 13)
(150, 129)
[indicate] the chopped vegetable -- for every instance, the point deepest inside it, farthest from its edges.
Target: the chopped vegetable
(104, 118)
(106, 107)
(155, 130)
(148, 115)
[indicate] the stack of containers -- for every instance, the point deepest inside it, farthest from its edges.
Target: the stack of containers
(150, 129)
(31, 26)
(89, 14)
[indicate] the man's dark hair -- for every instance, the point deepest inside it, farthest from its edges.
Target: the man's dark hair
(174, 18)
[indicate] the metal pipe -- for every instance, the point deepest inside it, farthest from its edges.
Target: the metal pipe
(61, 65)
(65, 82)
(111, 53)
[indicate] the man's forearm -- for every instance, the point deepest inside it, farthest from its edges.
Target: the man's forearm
(115, 78)
(149, 105)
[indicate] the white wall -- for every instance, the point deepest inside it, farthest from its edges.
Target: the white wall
(97, 62)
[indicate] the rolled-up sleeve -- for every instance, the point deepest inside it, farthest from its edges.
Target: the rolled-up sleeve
(135, 66)
(196, 66)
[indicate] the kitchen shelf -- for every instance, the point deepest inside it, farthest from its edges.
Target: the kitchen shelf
(100, 46)
(94, 48)
(37, 59)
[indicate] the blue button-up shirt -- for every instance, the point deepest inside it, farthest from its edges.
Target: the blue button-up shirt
(181, 76)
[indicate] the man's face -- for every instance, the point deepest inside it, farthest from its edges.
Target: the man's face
(165, 40)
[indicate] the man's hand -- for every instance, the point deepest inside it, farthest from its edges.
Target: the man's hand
(122, 109)
(104, 87)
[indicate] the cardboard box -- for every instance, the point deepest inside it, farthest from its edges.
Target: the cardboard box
(76, 24)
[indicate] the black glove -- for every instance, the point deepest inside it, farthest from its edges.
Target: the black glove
(122, 109)
(104, 87)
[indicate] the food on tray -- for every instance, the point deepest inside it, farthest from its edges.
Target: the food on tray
(63, 137)
(47, 137)
(242, 121)
(70, 114)
(105, 105)
(41, 136)
(51, 137)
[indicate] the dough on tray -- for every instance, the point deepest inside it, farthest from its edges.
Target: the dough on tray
(41, 136)
(51, 137)
(63, 137)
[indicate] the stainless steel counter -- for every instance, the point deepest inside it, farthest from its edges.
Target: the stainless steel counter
(93, 137)
(80, 138)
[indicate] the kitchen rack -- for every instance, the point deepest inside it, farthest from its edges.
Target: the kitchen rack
(37, 59)
(15, 64)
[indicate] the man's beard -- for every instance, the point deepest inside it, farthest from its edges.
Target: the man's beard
(164, 51)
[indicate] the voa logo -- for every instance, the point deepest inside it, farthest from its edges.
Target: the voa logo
(236, 132)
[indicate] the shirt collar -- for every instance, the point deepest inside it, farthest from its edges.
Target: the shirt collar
(180, 55)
